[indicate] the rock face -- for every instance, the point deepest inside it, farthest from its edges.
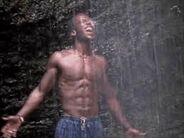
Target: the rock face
(142, 40)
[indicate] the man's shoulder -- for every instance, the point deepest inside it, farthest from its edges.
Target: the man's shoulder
(67, 52)
(60, 55)
(63, 53)
(100, 58)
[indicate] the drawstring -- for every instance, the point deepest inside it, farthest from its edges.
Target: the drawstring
(83, 122)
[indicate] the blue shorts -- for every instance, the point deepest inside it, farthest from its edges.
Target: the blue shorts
(73, 127)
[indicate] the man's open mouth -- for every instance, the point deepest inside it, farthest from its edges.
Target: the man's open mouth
(89, 29)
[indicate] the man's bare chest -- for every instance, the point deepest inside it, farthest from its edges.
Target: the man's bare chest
(76, 68)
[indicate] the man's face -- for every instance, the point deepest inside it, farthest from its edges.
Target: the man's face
(84, 27)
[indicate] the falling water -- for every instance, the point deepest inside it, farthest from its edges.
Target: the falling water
(142, 41)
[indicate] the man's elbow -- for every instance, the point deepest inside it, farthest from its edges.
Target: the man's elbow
(38, 93)
(112, 101)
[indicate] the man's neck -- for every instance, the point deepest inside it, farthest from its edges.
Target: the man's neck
(83, 47)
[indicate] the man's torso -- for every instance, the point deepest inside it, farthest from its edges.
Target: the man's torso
(79, 81)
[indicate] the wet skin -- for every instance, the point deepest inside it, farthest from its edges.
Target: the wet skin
(81, 72)
(79, 83)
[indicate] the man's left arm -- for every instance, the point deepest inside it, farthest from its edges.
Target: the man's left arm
(116, 109)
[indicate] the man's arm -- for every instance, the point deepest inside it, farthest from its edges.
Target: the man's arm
(33, 101)
(110, 95)
(44, 86)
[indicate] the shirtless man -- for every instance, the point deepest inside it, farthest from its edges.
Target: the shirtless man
(81, 79)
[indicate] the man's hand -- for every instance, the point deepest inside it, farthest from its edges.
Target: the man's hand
(134, 133)
(11, 127)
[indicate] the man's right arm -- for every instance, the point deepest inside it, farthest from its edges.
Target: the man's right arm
(35, 98)
(44, 86)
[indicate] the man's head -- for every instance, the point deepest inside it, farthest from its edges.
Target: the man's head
(82, 27)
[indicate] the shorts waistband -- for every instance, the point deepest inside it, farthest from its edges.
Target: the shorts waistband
(82, 118)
